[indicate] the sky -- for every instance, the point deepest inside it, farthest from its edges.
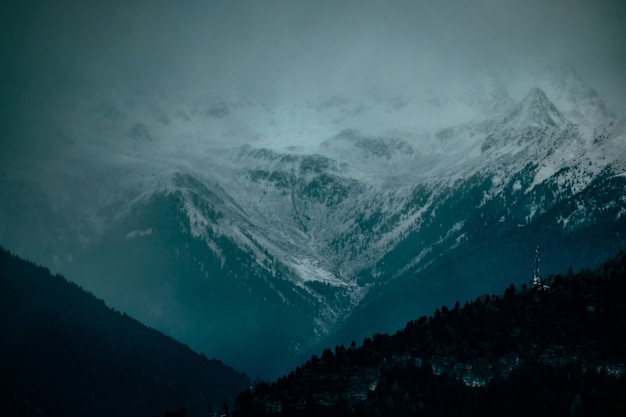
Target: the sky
(282, 51)
(276, 48)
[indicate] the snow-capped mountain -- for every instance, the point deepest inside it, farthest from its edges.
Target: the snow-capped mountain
(537, 111)
(221, 222)
(576, 99)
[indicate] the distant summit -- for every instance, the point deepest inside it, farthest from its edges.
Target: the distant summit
(576, 98)
(536, 110)
(533, 122)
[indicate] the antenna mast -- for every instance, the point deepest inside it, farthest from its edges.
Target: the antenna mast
(537, 278)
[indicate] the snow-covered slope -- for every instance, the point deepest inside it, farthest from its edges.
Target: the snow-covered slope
(221, 220)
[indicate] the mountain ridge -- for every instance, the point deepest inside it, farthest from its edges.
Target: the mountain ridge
(65, 353)
(321, 230)
(556, 349)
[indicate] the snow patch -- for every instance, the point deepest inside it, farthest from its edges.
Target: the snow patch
(545, 171)
(414, 261)
(309, 270)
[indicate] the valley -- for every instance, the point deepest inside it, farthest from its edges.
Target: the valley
(219, 223)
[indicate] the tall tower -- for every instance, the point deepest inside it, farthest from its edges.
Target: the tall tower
(537, 278)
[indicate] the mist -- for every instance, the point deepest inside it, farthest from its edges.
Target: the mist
(281, 51)
(134, 82)
(127, 84)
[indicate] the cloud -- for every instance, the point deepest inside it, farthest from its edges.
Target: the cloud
(279, 51)
(250, 42)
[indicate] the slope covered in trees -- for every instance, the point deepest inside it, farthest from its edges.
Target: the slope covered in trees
(556, 351)
(65, 353)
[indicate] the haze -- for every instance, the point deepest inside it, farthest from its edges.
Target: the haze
(279, 52)
(123, 81)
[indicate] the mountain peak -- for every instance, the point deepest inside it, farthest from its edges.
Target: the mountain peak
(536, 110)
(535, 94)
(576, 98)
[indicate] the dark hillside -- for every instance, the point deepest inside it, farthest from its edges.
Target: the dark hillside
(65, 353)
(526, 352)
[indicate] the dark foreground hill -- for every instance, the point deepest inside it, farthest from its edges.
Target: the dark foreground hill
(551, 352)
(65, 353)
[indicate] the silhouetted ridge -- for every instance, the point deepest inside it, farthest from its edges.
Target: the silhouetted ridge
(65, 353)
(525, 352)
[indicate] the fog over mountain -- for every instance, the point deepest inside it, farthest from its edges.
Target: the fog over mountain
(280, 52)
(405, 65)
(215, 167)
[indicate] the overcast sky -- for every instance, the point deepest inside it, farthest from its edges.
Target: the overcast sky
(280, 50)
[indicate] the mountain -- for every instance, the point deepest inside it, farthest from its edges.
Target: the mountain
(536, 110)
(577, 99)
(227, 223)
(555, 349)
(551, 186)
(65, 353)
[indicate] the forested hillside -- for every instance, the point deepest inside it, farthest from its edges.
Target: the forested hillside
(65, 353)
(554, 349)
